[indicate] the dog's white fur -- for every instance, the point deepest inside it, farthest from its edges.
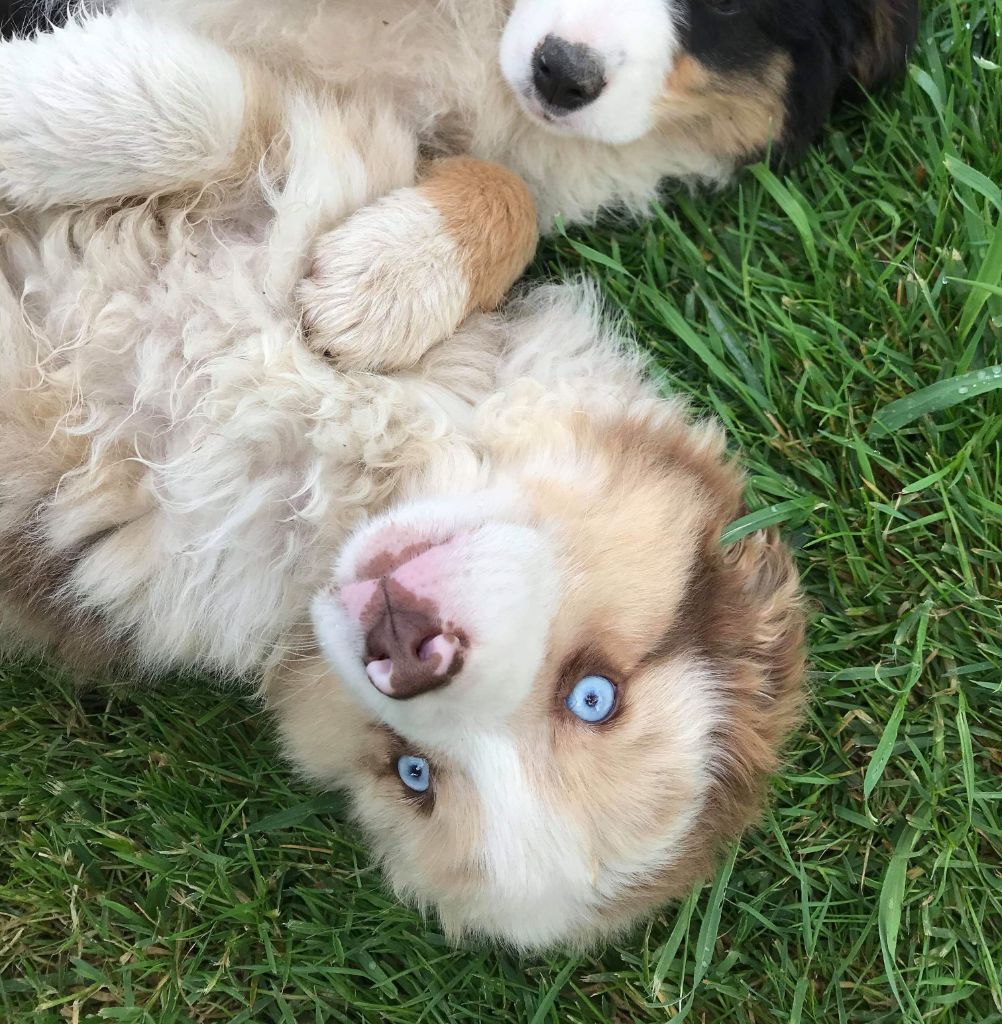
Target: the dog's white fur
(637, 42)
(450, 75)
(182, 479)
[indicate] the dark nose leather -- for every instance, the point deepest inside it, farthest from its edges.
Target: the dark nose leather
(408, 641)
(567, 76)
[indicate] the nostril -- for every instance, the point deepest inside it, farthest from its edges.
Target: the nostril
(441, 651)
(408, 653)
(567, 76)
(423, 651)
(380, 673)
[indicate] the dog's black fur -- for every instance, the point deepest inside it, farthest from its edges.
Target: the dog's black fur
(834, 47)
(20, 17)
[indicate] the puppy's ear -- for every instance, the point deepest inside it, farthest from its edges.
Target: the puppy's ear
(766, 585)
(889, 29)
(758, 625)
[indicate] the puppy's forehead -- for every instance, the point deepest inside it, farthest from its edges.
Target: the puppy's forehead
(632, 549)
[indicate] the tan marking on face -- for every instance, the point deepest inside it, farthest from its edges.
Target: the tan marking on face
(327, 732)
(634, 550)
(489, 213)
(688, 76)
(657, 600)
(732, 114)
(752, 628)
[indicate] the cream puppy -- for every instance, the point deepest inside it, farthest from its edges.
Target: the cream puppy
(482, 590)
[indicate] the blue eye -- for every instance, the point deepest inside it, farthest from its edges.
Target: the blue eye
(414, 772)
(593, 699)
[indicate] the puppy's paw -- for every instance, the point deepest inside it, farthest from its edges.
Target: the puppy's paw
(384, 286)
(401, 275)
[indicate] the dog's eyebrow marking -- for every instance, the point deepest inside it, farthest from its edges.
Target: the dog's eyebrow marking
(690, 627)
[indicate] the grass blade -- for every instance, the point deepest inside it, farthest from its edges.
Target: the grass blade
(711, 919)
(974, 179)
(875, 769)
(546, 1003)
(892, 892)
(935, 398)
(791, 206)
(771, 515)
(990, 275)
(670, 948)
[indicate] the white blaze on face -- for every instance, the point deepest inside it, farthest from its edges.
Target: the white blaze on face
(635, 40)
(538, 884)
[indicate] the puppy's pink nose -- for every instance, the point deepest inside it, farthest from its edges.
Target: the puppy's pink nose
(408, 648)
(357, 597)
(406, 652)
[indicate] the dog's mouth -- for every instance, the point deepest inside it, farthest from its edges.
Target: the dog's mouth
(537, 111)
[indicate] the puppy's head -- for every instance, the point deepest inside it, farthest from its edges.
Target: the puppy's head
(555, 697)
(736, 76)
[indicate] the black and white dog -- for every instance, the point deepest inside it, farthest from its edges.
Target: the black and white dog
(592, 102)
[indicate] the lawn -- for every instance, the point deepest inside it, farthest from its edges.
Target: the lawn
(159, 865)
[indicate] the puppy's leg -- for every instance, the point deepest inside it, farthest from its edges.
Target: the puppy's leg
(120, 105)
(402, 274)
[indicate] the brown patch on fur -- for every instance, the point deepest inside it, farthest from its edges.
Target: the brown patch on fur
(733, 115)
(752, 631)
(688, 76)
(675, 448)
(647, 616)
(33, 580)
(385, 562)
(666, 492)
(490, 215)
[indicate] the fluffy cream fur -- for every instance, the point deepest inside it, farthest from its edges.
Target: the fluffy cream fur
(185, 482)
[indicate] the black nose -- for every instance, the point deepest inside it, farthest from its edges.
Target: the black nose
(566, 75)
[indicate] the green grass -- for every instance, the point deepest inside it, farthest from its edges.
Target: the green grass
(157, 863)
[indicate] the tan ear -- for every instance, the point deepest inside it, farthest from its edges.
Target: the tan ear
(883, 48)
(771, 620)
(755, 634)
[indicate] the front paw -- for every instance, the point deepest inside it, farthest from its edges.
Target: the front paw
(385, 286)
